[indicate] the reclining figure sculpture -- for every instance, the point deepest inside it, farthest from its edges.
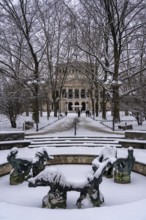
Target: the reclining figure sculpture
(25, 168)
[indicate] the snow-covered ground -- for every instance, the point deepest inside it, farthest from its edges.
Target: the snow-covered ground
(5, 124)
(122, 202)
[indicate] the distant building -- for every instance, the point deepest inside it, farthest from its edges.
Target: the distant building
(78, 92)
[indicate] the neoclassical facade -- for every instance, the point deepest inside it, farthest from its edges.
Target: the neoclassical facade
(78, 91)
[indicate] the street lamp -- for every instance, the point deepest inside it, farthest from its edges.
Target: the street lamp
(36, 82)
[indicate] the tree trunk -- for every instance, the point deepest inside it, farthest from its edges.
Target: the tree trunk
(96, 107)
(35, 115)
(104, 104)
(55, 109)
(116, 108)
(27, 110)
(93, 109)
(13, 123)
(35, 107)
(48, 109)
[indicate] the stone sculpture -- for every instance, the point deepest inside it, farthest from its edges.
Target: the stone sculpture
(21, 167)
(107, 153)
(26, 168)
(39, 162)
(59, 186)
(56, 197)
(123, 168)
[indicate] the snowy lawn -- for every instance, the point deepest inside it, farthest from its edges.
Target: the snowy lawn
(5, 124)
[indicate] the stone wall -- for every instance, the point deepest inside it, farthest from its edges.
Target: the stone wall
(73, 159)
(135, 135)
(5, 145)
(140, 168)
(133, 143)
(9, 136)
(5, 169)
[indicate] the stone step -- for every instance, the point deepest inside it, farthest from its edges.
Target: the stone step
(71, 141)
(73, 145)
(43, 137)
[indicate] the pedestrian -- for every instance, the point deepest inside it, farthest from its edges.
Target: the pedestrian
(79, 113)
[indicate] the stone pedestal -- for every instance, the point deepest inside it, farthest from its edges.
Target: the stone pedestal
(120, 177)
(55, 199)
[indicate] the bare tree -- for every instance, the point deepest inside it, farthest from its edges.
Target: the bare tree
(56, 35)
(117, 20)
(23, 15)
(12, 99)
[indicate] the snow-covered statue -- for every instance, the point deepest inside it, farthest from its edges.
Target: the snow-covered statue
(123, 168)
(24, 168)
(57, 195)
(59, 186)
(107, 153)
(91, 191)
(39, 162)
(21, 167)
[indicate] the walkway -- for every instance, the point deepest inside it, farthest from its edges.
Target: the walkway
(85, 126)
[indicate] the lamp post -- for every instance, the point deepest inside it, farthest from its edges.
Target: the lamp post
(35, 82)
(93, 107)
(113, 114)
(58, 106)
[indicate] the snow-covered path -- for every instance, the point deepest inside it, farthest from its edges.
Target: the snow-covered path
(85, 126)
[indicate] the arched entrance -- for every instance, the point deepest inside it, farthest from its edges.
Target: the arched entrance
(76, 106)
(70, 106)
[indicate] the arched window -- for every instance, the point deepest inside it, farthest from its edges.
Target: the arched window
(83, 106)
(64, 93)
(70, 106)
(70, 94)
(76, 103)
(82, 93)
(76, 93)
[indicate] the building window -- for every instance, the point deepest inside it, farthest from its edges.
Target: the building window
(83, 106)
(70, 106)
(76, 93)
(64, 93)
(83, 93)
(70, 94)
